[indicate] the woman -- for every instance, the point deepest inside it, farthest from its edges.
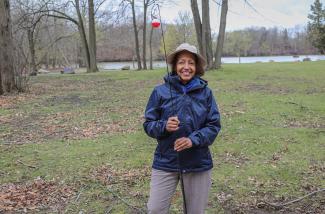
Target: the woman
(184, 118)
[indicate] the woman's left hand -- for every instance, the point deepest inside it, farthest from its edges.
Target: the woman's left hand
(182, 143)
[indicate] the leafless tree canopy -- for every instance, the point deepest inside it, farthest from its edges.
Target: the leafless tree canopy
(53, 34)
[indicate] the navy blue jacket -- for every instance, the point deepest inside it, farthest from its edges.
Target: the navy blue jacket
(199, 118)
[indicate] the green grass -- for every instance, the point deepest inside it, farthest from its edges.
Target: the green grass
(272, 143)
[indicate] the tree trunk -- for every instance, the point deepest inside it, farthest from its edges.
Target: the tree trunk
(31, 45)
(92, 37)
(197, 24)
(47, 61)
(1, 90)
(206, 34)
(137, 49)
(150, 47)
(83, 37)
(7, 78)
(221, 35)
(144, 43)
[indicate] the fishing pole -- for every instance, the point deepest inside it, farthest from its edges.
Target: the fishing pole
(155, 14)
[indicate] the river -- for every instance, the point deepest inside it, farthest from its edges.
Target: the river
(161, 64)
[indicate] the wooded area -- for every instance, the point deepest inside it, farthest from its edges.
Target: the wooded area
(55, 34)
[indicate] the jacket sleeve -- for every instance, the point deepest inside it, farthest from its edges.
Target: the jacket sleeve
(206, 135)
(153, 125)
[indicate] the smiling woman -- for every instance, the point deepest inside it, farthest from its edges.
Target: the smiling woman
(183, 117)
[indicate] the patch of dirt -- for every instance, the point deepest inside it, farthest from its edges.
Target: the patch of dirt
(109, 175)
(34, 196)
(260, 204)
(234, 109)
(282, 78)
(33, 128)
(8, 102)
(235, 158)
(70, 99)
(314, 90)
(123, 183)
(277, 156)
(266, 88)
(315, 169)
(294, 123)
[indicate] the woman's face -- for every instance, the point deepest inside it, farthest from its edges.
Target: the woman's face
(185, 66)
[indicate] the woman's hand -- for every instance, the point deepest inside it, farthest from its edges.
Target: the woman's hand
(182, 143)
(172, 124)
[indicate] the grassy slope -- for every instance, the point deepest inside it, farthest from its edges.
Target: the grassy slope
(271, 146)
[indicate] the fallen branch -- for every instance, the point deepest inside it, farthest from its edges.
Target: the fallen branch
(30, 166)
(108, 210)
(77, 199)
(301, 106)
(124, 201)
(281, 206)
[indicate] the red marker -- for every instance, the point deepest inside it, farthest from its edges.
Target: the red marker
(155, 23)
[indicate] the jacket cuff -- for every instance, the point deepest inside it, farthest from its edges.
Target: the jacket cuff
(195, 141)
(164, 130)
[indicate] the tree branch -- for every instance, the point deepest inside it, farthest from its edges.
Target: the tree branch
(30, 166)
(124, 201)
(282, 205)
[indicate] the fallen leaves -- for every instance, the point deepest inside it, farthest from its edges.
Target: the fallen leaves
(127, 182)
(12, 100)
(236, 158)
(110, 175)
(73, 109)
(63, 125)
(314, 123)
(36, 195)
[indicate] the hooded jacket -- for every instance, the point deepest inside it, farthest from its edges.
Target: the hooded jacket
(199, 117)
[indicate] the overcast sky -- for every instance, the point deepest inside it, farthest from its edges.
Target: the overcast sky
(281, 13)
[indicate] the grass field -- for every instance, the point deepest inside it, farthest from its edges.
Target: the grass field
(75, 143)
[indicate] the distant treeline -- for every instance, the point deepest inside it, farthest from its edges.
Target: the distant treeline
(268, 41)
(116, 43)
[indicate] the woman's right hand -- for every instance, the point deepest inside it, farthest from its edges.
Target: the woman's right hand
(172, 124)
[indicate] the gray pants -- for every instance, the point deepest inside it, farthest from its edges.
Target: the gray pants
(163, 185)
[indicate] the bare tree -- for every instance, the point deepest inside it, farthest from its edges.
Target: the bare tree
(221, 35)
(92, 37)
(197, 24)
(7, 77)
(185, 27)
(206, 34)
(81, 28)
(203, 30)
(29, 22)
(58, 11)
(135, 28)
(1, 89)
(146, 4)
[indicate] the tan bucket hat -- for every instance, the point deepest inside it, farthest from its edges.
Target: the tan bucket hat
(201, 62)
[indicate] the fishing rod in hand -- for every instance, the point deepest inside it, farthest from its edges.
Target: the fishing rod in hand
(156, 22)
